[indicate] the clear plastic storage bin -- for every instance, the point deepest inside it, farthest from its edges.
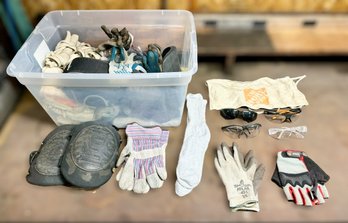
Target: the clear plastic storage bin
(148, 99)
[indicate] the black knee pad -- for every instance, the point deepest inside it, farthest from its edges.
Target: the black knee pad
(44, 167)
(91, 155)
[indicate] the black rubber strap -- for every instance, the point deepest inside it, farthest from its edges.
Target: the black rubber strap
(87, 65)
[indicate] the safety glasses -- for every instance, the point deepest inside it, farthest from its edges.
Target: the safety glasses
(297, 132)
(238, 131)
(231, 113)
(282, 114)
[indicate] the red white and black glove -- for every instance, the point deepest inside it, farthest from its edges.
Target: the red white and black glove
(301, 178)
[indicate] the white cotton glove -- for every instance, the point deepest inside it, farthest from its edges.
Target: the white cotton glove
(237, 180)
(66, 51)
(57, 60)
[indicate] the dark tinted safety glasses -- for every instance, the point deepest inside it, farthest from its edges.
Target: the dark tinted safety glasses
(281, 115)
(231, 113)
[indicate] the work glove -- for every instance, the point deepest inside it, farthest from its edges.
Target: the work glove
(241, 177)
(152, 61)
(302, 180)
(143, 158)
(255, 172)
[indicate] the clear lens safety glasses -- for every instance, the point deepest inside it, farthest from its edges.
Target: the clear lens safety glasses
(288, 132)
(238, 131)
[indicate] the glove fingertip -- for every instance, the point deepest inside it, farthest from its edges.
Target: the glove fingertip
(162, 173)
(219, 154)
(248, 155)
(119, 163)
(216, 162)
(261, 169)
(118, 175)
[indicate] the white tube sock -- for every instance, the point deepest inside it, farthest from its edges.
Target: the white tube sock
(196, 140)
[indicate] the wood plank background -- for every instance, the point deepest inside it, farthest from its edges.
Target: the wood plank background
(196, 6)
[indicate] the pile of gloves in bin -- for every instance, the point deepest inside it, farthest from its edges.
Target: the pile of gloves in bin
(116, 55)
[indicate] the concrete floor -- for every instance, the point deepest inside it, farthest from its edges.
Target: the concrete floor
(326, 89)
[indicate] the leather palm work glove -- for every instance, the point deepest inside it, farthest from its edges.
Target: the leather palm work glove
(241, 177)
(143, 159)
(302, 180)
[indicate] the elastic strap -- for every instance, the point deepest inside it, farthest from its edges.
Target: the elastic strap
(32, 156)
(298, 79)
(95, 96)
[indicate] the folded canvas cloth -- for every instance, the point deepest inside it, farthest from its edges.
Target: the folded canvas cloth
(264, 93)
